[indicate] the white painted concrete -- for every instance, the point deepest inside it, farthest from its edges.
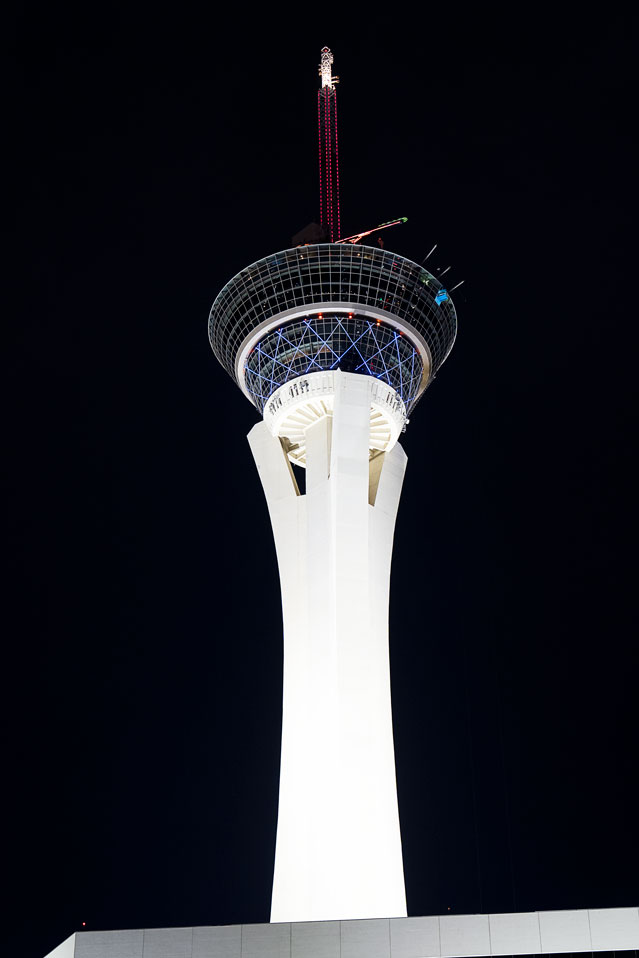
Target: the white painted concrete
(614, 929)
(515, 934)
(415, 937)
(64, 950)
(464, 935)
(221, 941)
(564, 931)
(365, 939)
(298, 404)
(338, 852)
(168, 943)
(316, 939)
(446, 936)
(266, 941)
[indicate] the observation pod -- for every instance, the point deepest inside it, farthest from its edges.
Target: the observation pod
(324, 307)
(334, 344)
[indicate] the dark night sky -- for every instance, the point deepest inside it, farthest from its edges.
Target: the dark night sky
(155, 155)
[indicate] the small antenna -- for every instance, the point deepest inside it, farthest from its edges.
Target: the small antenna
(458, 285)
(429, 254)
(444, 271)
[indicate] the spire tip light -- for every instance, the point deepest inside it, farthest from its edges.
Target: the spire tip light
(326, 61)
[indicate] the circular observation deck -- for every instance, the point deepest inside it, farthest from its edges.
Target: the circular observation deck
(332, 306)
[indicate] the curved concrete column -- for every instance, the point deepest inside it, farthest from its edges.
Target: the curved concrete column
(338, 852)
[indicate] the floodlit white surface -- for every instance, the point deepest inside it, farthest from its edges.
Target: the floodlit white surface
(612, 929)
(326, 62)
(365, 939)
(464, 935)
(564, 931)
(65, 950)
(167, 943)
(219, 941)
(338, 851)
(266, 941)
(303, 401)
(515, 934)
(415, 937)
(316, 939)
(126, 943)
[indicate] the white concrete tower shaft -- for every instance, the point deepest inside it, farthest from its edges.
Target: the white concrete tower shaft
(338, 852)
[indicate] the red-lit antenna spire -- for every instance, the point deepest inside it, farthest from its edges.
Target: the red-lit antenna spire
(328, 153)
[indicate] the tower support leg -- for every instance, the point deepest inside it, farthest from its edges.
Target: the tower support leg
(338, 850)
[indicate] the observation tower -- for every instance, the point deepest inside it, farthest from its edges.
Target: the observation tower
(334, 343)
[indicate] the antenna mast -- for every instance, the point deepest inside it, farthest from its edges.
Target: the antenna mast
(328, 154)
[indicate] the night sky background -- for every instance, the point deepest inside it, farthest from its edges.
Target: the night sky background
(155, 154)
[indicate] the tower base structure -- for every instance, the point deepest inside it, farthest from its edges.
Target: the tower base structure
(449, 936)
(338, 849)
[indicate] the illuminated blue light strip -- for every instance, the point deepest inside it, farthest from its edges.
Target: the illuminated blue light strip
(279, 333)
(299, 351)
(272, 359)
(307, 346)
(322, 342)
(399, 358)
(379, 349)
(297, 347)
(353, 343)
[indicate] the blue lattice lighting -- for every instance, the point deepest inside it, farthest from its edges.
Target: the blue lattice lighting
(327, 341)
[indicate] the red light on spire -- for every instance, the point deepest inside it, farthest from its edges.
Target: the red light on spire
(328, 153)
(319, 128)
(337, 235)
